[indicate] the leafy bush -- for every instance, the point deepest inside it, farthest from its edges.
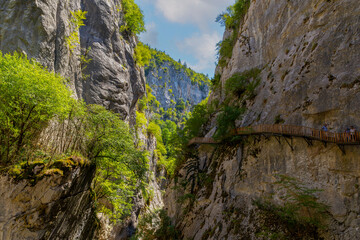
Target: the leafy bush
(199, 116)
(180, 105)
(215, 82)
(30, 97)
(120, 166)
(231, 19)
(133, 16)
(76, 21)
(142, 55)
(234, 14)
(243, 84)
(226, 121)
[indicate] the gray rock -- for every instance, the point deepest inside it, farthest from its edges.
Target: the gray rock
(308, 52)
(168, 84)
(39, 29)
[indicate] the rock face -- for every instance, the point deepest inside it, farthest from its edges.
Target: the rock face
(169, 84)
(114, 79)
(111, 78)
(308, 53)
(240, 174)
(57, 207)
(40, 28)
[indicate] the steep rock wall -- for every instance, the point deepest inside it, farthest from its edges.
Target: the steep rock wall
(39, 29)
(308, 52)
(57, 207)
(240, 174)
(168, 83)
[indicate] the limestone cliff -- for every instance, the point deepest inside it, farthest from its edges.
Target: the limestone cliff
(172, 82)
(307, 52)
(100, 69)
(40, 28)
(56, 207)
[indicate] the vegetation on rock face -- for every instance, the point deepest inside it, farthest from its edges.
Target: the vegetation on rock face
(142, 55)
(133, 16)
(76, 21)
(158, 58)
(156, 225)
(164, 131)
(242, 84)
(300, 215)
(231, 19)
(29, 98)
(41, 125)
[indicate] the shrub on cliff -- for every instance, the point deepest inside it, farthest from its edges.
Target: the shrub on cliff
(142, 55)
(120, 166)
(30, 97)
(231, 19)
(133, 16)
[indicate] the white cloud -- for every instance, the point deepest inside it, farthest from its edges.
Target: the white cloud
(151, 35)
(199, 12)
(203, 48)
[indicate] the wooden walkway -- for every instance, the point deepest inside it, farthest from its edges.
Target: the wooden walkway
(289, 131)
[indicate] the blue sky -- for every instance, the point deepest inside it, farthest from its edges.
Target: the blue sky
(185, 29)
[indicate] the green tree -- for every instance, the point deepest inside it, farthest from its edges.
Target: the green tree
(120, 166)
(199, 116)
(133, 16)
(30, 97)
(142, 55)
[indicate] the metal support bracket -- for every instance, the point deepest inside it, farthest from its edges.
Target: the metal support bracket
(278, 139)
(265, 136)
(308, 141)
(342, 148)
(289, 143)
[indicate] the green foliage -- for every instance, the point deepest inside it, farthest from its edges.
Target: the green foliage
(234, 14)
(215, 82)
(40, 123)
(149, 100)
(301, 213)
(159, 58)
(243, 84)
(231, 19)
(199, 116)
(30, 97)
(76, 21)
(142, 55)
(141, 120)
(226, 121)
(133, 16)
(278, 119)
(37, 170)
(225, 49)
(180, 105)
(156, 225)
(120, 166)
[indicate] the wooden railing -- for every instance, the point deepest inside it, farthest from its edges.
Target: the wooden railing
(289, 130)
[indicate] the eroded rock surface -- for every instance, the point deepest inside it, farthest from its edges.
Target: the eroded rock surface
(169, 84)
(40, 28)
(57, 207)
(307, 51)
(309, 55)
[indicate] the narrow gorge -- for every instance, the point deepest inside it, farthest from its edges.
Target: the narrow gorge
(103, 136)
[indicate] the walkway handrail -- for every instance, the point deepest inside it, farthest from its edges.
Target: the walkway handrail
(290, 130)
